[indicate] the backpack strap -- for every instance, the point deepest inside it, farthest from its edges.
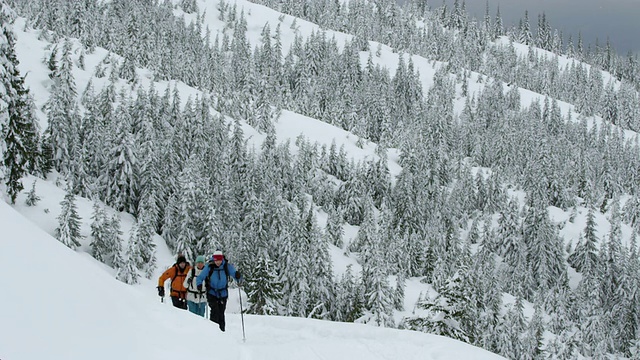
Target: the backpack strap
(175, 273)
(207, 279)
(193, 274)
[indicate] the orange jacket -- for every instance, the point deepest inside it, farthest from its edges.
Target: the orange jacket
(177, 287)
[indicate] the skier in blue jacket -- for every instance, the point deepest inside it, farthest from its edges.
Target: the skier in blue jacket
(217, 272)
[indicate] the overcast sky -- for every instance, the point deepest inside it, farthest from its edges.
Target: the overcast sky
(617, 19)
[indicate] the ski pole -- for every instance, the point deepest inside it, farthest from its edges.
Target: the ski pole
(206, 310)
(241, 314)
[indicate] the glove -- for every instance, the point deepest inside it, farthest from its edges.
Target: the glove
(238, 276)
(199, 287)
(161, 291)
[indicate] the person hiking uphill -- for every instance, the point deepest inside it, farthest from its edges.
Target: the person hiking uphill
(177, 273)
(196, 299)
(214, 276)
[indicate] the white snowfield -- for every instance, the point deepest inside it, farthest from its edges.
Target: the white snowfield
(59, 304)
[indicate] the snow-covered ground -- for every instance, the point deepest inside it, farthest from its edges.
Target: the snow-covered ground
(57, 304)
(60, 304)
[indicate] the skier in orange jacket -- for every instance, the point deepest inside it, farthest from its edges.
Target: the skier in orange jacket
(177, 273)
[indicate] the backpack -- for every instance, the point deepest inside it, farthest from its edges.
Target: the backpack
(207, 279)
(173, 278)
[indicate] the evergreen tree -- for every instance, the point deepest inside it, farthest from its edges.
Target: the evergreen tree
(532, 342)
(264, 289)
(511, 329)
(398, 300)
(378, 295)
(190, 211)
(544, 38)
(128, 71)
(128, 272)
(63, 123)
(320, 270)
(99, 233)
(545, 252)
(489, 299)
(631, 212)
(32, 197)
(114, 242)
(348, 305)
(525, 36)
(144, 234)
(585, 255)
(442, 313)
(52, 63)
(18, 129)
(515, 274)
(498, 25)
(68, 230)
(334, 229)
(107, 238)
(508, 234)
(119, 180)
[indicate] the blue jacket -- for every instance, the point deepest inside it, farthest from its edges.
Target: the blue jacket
(218, 282)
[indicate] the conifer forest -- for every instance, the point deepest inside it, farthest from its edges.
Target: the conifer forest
(451, 218)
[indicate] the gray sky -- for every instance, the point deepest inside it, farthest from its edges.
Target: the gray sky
(617, 19)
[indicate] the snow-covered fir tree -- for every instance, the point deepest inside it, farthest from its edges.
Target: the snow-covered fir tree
(99, 234)
(443, 313)
(68, 230)
(128, 272)
(264, 289)
(32, 196)
(63, 122)
(114, 242)
(107, 238)
(18, 129)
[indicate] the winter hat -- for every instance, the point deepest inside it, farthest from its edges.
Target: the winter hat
(200, 259)
(181, 258)
(217, 255)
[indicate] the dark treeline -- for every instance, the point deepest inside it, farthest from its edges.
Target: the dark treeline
(187, 173)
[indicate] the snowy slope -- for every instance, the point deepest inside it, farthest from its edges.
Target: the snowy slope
(58, 305)
(99, 312)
